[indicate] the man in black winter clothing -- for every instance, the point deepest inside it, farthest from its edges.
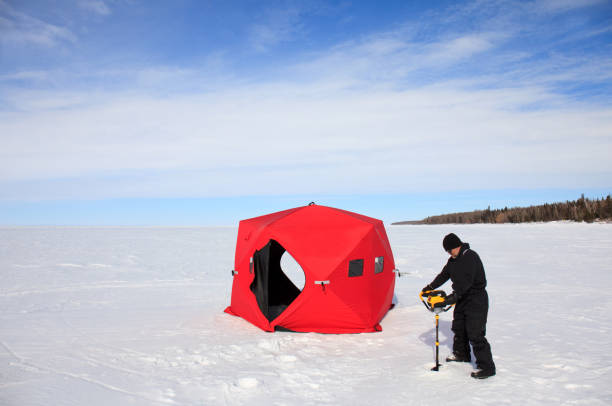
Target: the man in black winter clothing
(464, 268)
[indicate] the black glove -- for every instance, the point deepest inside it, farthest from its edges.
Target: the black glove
(427, 288)
(450, 299)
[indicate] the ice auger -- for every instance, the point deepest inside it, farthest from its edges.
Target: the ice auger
(430, 298)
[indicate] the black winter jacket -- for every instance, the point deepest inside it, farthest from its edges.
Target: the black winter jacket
(466, 273)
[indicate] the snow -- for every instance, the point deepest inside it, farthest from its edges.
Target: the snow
(118, 316)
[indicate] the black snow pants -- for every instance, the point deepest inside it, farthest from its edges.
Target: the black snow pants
(469, 327)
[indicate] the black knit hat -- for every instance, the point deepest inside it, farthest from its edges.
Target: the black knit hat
(451, 241)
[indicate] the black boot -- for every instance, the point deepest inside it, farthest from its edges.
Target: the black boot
(483, 373)
(457, 358)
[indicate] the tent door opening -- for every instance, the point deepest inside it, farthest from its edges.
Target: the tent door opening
(273, 289)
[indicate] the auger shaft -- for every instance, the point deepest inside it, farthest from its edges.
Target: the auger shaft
(437, 367)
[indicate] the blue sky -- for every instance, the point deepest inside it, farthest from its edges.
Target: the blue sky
(206, 112)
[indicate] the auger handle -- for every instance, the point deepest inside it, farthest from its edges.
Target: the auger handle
(428, 293)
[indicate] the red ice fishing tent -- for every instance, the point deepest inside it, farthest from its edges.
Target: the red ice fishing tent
(347, 262)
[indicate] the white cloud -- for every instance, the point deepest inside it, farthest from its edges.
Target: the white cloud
(293, 139)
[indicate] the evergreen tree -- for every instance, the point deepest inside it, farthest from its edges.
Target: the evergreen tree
(582, 209)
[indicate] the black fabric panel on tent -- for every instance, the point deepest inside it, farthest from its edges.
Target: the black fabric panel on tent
(273, 290)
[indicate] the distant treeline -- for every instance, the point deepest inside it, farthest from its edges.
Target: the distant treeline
(583, 209)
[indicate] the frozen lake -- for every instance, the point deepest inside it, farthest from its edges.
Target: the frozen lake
(134, 316)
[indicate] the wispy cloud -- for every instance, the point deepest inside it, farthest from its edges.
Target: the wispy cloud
(284, 22)
(561, 6)
(276, 26)
(26, 75)
(19, 28)
(392, 110)
(96, 6)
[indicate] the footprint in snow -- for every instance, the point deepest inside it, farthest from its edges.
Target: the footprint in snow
(573, 387)
(287, 358)
(248, 383)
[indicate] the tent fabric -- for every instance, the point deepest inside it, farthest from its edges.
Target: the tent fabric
(348, 268)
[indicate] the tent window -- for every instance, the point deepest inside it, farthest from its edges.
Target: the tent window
(355, 267)
(379, 264)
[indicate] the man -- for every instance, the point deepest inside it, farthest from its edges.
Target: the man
(464, 268)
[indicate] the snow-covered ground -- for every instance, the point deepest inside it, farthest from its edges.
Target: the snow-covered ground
(134, 316)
